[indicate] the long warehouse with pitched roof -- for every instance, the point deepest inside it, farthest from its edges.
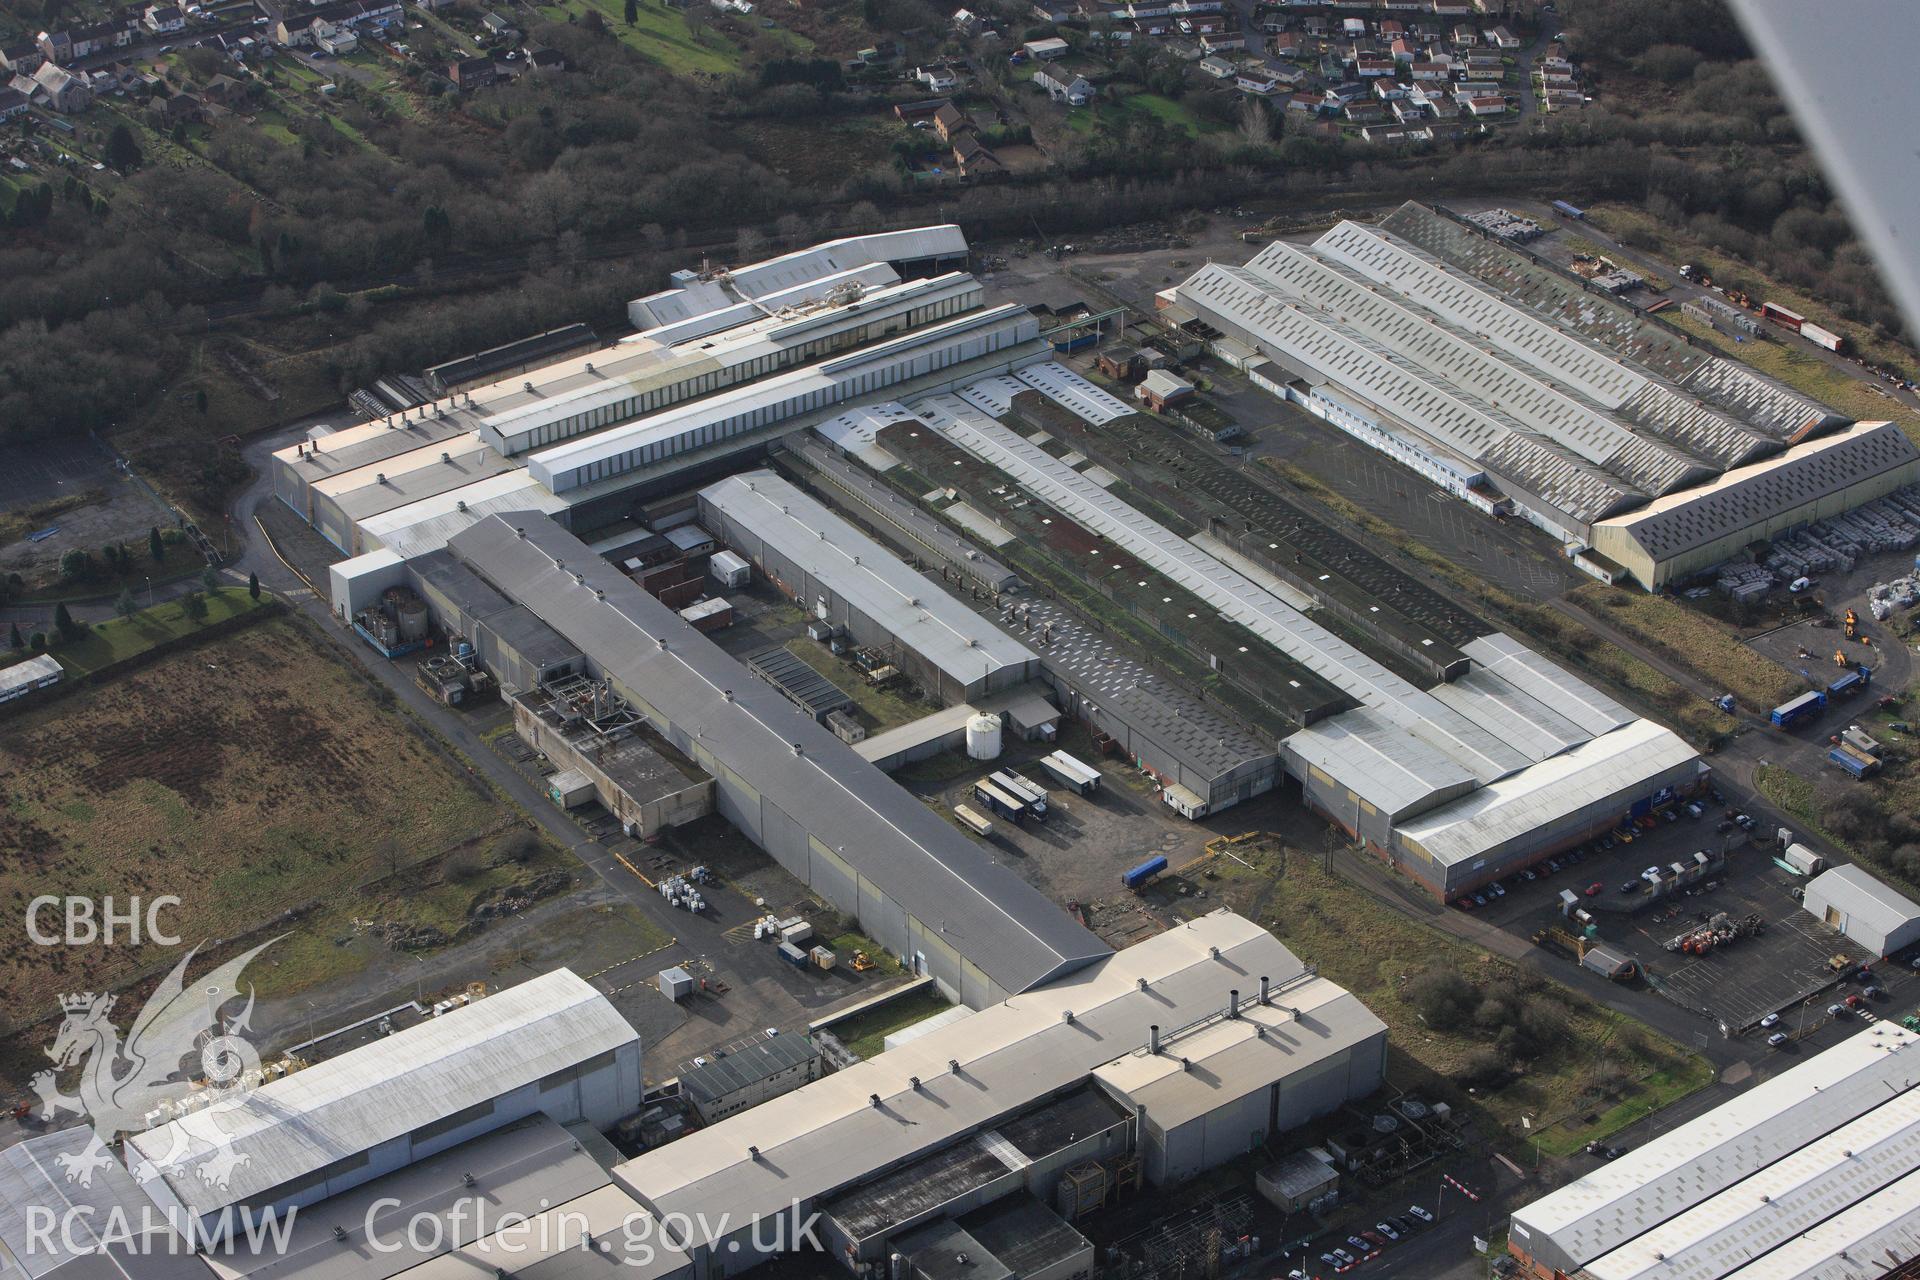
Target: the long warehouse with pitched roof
(1806, 1176)
(916, 884)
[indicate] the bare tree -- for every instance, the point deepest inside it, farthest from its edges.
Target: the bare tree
(749, 245)
(1256, 123)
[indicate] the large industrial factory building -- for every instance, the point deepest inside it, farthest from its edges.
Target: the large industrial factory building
(1807, 1176)
(1518, 390)
(1184, 1051)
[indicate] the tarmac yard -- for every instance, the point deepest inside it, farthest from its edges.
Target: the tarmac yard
(1737, 983)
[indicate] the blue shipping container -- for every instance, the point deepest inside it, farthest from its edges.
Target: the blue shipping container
(1144, 872)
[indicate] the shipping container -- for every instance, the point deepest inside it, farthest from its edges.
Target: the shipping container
(1804, 860)
(1821, 337)
(1567, 210)
(1022, 788)
(1144, 872)
(1857, 763)
(972, 821)
(1781, 316)
(1790, 713)
(999, 802)
(1081, 779)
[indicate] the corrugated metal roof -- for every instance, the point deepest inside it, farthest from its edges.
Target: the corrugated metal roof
(300, 1123)
(794, 270)
(1506, 810)
(602, 1235)
(915, 609)
(827, 382)
(427, 525)
(86, 1218)
(30, 672)
(830, 1135)
(1234, 595)
(1669, 1175)
(1778, 1202)
(1381, 762)
(746, 1064)
(1008, 929)
(1548, 684)
(515, 1170)
(1862, 1242)
(1741, 498)
(1531, 726)
(1197, 1073)
(1884, 909)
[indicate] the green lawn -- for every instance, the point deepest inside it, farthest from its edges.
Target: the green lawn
(659, 33)
(1170, 112)
(883, 708)
(866, 1033)
(110, 642)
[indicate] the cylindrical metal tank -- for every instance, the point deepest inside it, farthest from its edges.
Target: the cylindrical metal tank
(983, 737)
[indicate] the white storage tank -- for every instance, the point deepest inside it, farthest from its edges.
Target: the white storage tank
(983, 737)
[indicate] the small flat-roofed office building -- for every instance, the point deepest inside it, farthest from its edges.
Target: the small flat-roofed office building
(749, 1074)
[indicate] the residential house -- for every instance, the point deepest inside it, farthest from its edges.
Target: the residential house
(27, 87)
(922, 109)
(62, 90)
(1364, 113)
(1485, 63)
(1373, 65)
(1465, 37)
(1443, 108)
(941, 80)
(1048, 49)
(949, 121)
(1564, 99)
(22, 58)
(1406, 111)
(1218, 68)
(12, 103)
(473, 73)
(1306, 103)
(1384, 133)
(496, 24)
(226, 91)
(1259, 84)
(966, 22)
(1216, 41)
(1404, 6)
(974, 160)
(1403, 50)
(1353, 28)
(334, 38)
(1287, 77)
(1389, 90)
(1289, 44)
(1501, 38)
(1485, 105)
(365, 13)
(181, 108)
(1428, 72)
(540, 58)
(1451, 9)
(164, 20)
(1477, 89)
(294, 32)
(1391, 29)
(1064, 86)
(1316, 27)
(1051, 11)
(81, 42)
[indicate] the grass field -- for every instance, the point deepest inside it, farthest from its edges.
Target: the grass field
(249, 775)
(866, 1033)
(109, 642)
(1692, 639)
(1113, 113)
(659, 33)
(1605, 1066)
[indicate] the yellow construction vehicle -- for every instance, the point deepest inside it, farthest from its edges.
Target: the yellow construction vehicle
(1839, 658)
(1853, 624)
(862, 962)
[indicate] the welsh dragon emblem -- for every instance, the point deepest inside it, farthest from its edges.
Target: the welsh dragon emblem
(125, 1086)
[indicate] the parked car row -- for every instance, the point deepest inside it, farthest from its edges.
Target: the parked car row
(1363, 1246)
